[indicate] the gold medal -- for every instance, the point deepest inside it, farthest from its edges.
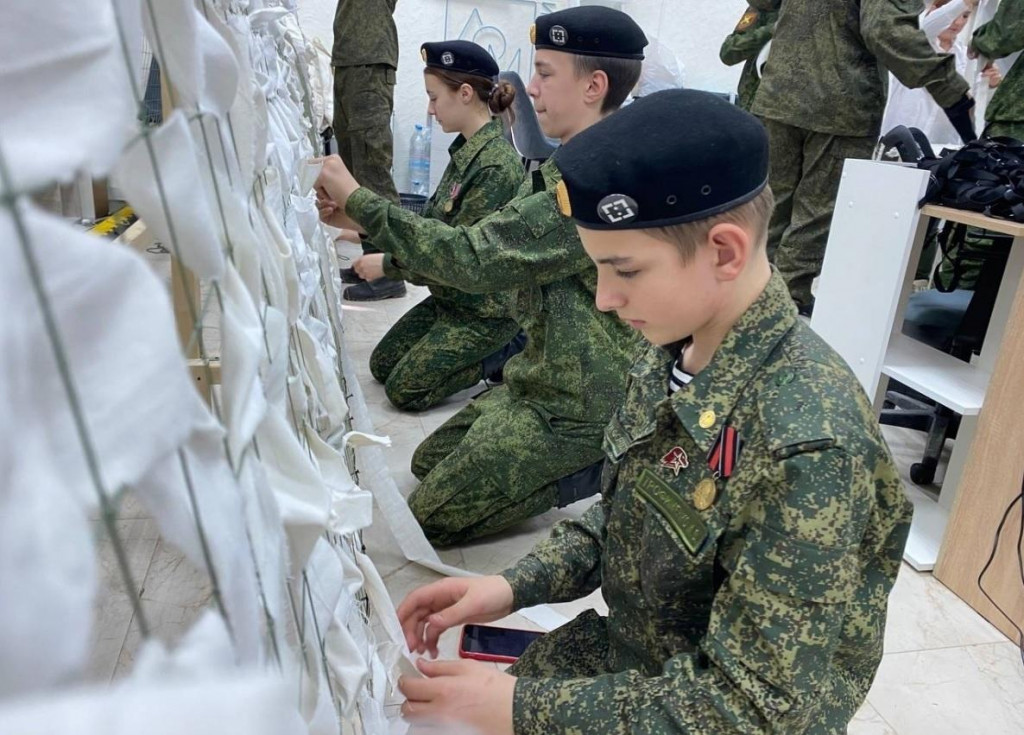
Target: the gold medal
(707, 419)
(562, 197)
(704, 494)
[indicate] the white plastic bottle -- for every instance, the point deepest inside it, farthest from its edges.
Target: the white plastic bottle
(419, 162)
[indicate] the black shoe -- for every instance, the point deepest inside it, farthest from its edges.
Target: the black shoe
(494, 364)
(349, 275)
(376, 290)
(580, 484)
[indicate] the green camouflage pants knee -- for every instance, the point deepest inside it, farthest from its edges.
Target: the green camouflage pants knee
(1005, 129)
(579, 649)
(363, 101)
(493, 464)
(434, 351)
(804, 176)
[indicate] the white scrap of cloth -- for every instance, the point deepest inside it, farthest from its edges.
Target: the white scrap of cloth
(167, 199)
(115, 327)
(57, 59)
(241, 703)
(200, 64)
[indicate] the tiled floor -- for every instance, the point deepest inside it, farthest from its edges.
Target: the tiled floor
(945, 671)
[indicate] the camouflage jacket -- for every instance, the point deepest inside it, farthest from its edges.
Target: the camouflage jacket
(1002, 36)
(744, 45)
(764, 611)
(365, 33)
(574, 365)
(484, 173)
(826, 71)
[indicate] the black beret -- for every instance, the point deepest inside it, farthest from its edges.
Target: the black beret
(461, 56)
(670, 157)
(590, 30)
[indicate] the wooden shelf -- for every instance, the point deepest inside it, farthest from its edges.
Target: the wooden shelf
(953, 383)
(975, 219)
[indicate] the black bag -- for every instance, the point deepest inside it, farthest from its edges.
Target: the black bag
(986, 175)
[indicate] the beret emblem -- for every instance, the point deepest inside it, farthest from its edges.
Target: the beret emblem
(616, 208)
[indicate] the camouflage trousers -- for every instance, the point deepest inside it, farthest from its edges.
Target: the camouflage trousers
(435, 351)
(493, 464)
(1005, 129)
(578, 649)
(804, 175)
(363, 102)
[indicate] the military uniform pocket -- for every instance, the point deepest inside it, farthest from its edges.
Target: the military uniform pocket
(369, 104)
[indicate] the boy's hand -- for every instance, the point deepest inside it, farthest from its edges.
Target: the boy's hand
(370, 267)
(465, 692)
(431, 610)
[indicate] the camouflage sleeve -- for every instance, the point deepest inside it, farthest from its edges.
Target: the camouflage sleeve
(567, 565)
(891, 32)
(1002, 35)
(742, 45)
(775, 624)
(525, 243)
(489, 189)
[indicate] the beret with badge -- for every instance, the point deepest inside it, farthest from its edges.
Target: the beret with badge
(671, 157)
(590, 30)
(465, 57)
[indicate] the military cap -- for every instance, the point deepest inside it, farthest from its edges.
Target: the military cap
(671, 157)
(465, 57)
(590, 30)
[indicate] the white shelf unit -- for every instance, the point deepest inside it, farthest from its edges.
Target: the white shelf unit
(874, 245)
(955, 384)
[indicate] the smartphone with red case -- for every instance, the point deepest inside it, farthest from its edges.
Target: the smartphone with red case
(491, 643)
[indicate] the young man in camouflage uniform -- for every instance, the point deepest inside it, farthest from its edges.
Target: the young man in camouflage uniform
(744, 46)
(822, 96)
(534, 442)
(365, 57)
(752, 521)
(1002, 36)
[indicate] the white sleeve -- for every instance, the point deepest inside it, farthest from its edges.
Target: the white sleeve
(938, 20)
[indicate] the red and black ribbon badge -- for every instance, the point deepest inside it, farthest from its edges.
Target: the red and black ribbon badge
(725, 451)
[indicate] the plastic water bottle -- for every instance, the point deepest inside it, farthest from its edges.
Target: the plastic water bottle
(419, 161)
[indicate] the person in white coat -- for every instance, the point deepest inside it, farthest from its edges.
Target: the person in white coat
(941, 22)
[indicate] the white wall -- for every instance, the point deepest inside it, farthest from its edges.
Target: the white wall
(692, 29)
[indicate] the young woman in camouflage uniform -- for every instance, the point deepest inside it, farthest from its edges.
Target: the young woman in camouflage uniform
(438, 347)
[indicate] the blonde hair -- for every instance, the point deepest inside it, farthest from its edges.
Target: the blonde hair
(753, 216)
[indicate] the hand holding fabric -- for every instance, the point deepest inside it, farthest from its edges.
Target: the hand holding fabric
(430, 610)
(465, 692)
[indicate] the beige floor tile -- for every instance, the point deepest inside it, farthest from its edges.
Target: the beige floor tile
(924, 614)
(868, 722)
(113, 609)
(174, 595)
(973, 689)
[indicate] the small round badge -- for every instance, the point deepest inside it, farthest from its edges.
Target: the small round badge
(423, 54)
(533, 33)
(617, 208)
(704, 494)
(707, 419)
(558, 35)
(447, 58)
